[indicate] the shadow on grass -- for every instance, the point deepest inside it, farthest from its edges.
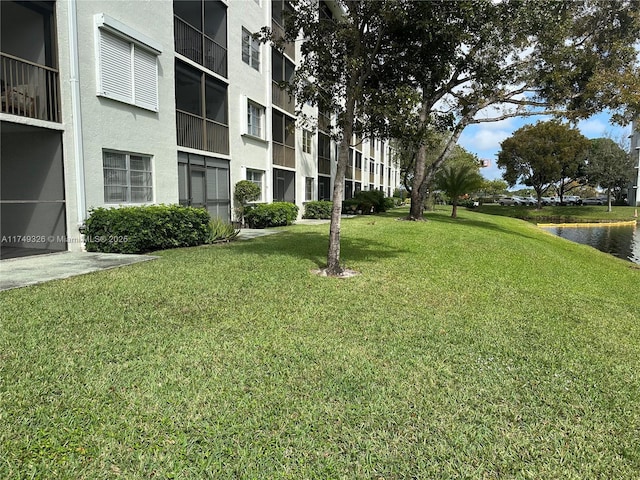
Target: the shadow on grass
(313, 246)
(442, 217)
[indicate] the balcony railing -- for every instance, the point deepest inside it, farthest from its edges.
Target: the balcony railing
(372, 177)
(358, 174)
(289, 47)
(28, 89)
(193, 44)
(197, 132)
(281, 98)
(283, 155)
(324, 165)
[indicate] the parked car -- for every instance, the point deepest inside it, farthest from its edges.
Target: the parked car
(594, 201)
(531, 201)
(572, 200)
(512, 201)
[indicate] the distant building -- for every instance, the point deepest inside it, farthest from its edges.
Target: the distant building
(128, 103)
(634, 193)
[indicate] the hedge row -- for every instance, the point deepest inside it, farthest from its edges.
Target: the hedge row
(276, 214)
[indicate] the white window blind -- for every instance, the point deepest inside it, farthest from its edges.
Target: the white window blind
(127, 178)
(116, 80)
(127, 72)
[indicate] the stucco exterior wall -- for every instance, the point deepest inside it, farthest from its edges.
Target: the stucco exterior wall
(247, 83)
(114, 125)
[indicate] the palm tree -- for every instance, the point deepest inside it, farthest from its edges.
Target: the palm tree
(456, 180)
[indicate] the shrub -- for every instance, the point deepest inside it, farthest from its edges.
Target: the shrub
(318, 209)
(350, 206)
(245, 191)
(391, 202)
(221, 231)
(145, 228)
(365, 202)
(276, 214)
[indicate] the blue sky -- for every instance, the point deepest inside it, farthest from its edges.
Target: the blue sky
(484, 139)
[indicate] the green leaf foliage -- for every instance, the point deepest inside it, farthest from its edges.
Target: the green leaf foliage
(318, 209)
(538, 155)
(456, 180)
(221, 231)
(246, 191)
(609, 166)
(143, 229)
(276, 214)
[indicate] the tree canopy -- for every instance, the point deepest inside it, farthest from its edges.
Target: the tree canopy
(536, 155)
(608, 167)
(482, 61)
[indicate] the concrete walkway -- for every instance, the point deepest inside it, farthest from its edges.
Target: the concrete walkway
(34, 269)
(23, 271)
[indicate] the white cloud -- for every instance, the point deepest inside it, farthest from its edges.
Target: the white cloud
(484, 140)
(593, 127)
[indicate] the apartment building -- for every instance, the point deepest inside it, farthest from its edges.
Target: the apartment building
(634, 194)
(108, 103)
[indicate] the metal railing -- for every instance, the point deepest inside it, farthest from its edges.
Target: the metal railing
(29, 89)
(278, 32)
(284, 155)
(193, 44)
(324, 165)
(200, 133)
(281, 98)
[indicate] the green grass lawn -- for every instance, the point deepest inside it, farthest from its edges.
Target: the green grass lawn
(476, 348)
(557, 214)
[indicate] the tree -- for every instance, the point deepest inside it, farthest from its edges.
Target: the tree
(535, 154)
(495, 187)
(245, 191)
(487, 61)
(456, 180)
(609, 166)
(341, 55)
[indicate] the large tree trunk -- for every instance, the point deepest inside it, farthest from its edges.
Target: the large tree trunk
(417, 196)
(423, 174)
(333, 255)
(454, 211)
(418, 190)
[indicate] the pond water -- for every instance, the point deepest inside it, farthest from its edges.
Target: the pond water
(622, 241)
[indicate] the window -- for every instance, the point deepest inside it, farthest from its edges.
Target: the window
(308, 189)
(358, 160)
(127, 69)
(256, 177)
(127, 178)
(306, 141)
(255, 114)
(250, 50)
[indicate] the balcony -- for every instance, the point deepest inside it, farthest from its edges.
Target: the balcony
(198, 47)
(289, 47)
(29, 89)
(200, 133)
(324, 165)
(284, 155)
(282, 99)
